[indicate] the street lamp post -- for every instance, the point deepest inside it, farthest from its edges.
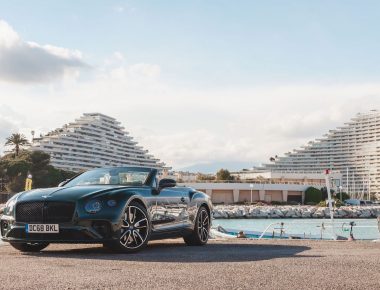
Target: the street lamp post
(330, 201)
(251, 186)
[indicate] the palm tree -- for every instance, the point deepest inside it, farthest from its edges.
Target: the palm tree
(17, 140)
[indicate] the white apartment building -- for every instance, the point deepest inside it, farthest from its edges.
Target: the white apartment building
(93, 140)
(352, 149)
(316, 179)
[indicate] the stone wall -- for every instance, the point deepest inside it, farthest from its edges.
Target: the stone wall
(256, 212)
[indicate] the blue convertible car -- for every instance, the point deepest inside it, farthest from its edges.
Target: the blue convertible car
(121, 207)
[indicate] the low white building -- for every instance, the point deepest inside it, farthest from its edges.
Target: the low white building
(229, 193)
(180, 176)
(263, 185)
(301, 177)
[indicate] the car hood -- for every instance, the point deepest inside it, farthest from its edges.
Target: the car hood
(68, 193)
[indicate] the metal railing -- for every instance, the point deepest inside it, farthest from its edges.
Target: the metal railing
(256, 182)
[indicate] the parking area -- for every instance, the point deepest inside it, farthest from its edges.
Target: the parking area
(222, 264)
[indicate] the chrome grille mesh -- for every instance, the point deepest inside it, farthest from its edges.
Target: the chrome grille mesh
(45, 212)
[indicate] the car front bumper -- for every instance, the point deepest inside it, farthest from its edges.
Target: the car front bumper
(86, 231)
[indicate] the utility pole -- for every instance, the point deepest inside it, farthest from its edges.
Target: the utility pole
(348, 190)
(369, 185)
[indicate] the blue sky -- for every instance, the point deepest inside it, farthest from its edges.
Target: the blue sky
(238, 42)
(221, 68)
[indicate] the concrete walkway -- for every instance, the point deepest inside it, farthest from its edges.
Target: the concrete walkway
(237, 264)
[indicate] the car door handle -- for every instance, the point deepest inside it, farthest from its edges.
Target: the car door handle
(183, 199)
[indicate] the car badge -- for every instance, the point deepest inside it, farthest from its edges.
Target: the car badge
(45, 196)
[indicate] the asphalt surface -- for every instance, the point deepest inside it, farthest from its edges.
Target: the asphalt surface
(222, 264)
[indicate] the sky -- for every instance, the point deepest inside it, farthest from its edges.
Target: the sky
(201, 84)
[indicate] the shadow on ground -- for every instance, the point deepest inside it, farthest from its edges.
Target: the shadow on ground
(164, 252)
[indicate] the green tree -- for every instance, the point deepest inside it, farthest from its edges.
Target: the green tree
(325, 194)
(17, 140)
(16, 172)
(224, 174)
(201, 176)
(313, 195)
(343, 194)
(37, 163)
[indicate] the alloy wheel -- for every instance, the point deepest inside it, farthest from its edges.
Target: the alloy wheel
(134, 228)
(203, 225)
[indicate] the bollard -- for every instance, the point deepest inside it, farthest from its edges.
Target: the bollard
(351, 238)
(28, 182)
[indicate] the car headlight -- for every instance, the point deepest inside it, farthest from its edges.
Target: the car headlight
(93, 206)
(111, 203)
(10, 204)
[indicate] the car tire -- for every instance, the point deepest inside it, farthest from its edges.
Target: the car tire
(29, 247)
(135, 230)
(200, 235)
(107, 245)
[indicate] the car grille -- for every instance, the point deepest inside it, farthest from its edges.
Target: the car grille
(45, 212)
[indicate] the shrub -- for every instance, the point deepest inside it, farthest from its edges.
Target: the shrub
(277, 203)
(325, 194)
(344, 196)
(338, 203)
(313, 194)
(322, 203)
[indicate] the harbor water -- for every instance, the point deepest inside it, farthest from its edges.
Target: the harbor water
(364, 229)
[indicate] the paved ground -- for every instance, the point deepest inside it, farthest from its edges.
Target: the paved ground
(237, 264)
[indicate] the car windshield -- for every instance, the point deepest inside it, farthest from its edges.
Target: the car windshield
(111, 176)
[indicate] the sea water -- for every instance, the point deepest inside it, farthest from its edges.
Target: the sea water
(364, 229)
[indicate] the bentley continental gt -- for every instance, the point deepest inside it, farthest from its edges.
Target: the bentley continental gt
(120, 207)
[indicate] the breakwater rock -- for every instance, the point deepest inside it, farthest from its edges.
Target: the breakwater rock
(301, 211)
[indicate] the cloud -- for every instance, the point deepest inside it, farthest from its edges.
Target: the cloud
(124, 8)
(145, 69)
(186, 125)
(6, 129)
(10, 122)
(29, 62)
(253, 125)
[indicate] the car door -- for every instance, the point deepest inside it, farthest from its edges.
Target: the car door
(169, 209)
(178, 205)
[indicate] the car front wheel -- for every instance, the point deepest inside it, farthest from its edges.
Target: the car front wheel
(199, 236)
(135, 229)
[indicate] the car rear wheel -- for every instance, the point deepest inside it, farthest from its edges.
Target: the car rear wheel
(29, 247)
(199, 236)
(135, 229)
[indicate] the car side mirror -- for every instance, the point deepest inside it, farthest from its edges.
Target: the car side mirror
(166, 182)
